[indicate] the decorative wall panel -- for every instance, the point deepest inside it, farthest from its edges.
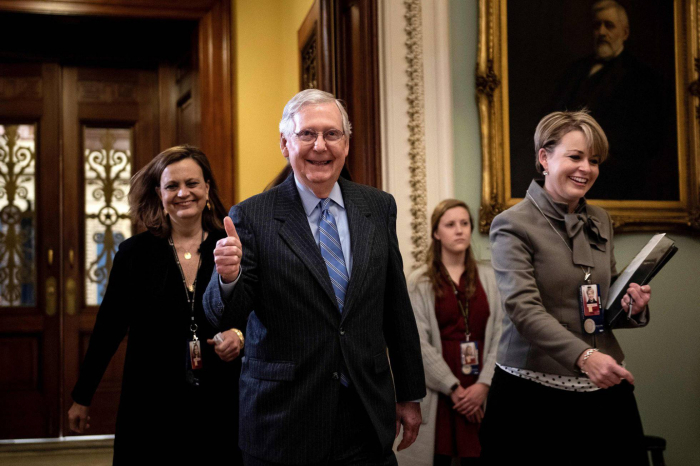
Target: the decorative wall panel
(17, 215)
(108, 162)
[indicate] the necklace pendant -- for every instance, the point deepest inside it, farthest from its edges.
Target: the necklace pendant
(191, 288)
(188, 256)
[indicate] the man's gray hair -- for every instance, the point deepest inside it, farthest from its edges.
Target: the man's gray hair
(607, 4)
(311, 97)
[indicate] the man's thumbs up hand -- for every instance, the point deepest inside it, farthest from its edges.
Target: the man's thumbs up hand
(228, 253)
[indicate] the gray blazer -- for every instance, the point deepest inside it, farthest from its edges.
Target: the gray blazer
(539, 278)
(297, 342)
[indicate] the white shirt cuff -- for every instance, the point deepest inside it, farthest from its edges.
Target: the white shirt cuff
(227, 288)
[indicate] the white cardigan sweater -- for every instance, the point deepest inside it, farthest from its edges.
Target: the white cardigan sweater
(438, 376)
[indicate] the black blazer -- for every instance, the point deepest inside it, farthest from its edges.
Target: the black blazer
(146, 298)
(296, 339)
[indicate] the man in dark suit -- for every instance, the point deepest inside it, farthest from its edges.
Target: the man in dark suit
(315, 264)
(632, 105)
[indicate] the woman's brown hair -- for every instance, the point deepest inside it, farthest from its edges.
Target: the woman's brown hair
(145, 206)
(436, 270)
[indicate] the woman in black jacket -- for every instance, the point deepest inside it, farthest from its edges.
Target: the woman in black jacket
(179, 398)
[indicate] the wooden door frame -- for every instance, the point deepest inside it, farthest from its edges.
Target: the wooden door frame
(214, 64)
(346, 32)
(357, 85)
(40, 108)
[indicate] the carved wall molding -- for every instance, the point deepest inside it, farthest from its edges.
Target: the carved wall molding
(416, 95)
(21, 88)
(487, 83)
(416, 130)
(309, 63)
(694, 88)
(106, 92)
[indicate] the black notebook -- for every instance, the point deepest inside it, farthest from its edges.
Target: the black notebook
(657, 252)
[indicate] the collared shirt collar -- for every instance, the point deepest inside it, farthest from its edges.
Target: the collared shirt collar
(310, 200)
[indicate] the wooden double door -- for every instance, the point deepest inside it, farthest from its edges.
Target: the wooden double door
(70, 139)
(90, 91)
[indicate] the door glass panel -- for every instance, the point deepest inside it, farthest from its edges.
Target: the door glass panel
(17, 215)
(107, 172)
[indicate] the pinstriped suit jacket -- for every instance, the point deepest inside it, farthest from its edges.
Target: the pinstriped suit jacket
(296, 339)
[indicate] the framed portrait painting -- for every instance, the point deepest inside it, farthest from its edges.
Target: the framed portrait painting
(632, 65)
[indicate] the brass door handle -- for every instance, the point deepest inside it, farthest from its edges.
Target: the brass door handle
(50, 258)
(71, 258)
(71, 300)
(51, 286)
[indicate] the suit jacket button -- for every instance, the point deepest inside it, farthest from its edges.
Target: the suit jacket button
(342, 331)
(335, 376)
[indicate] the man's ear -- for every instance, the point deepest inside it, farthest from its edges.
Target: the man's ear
(283, 146)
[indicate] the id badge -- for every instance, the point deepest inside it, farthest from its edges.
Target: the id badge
(195, 355)
(591, 308)
(469, 350)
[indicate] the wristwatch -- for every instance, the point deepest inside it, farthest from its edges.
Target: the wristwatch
(240, 336)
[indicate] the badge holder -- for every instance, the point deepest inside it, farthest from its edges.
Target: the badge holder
(194, 361)
(591, 309)
(469, 352)
(195, 352)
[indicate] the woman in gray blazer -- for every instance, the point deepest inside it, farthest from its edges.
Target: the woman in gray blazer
(452, 288)
(561, 393)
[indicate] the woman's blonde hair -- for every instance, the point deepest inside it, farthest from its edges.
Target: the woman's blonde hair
(556, 125)
(436, 270)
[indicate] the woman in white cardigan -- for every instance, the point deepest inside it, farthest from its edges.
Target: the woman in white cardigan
(467, 301)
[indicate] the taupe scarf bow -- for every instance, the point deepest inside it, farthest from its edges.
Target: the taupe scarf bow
(584, 231)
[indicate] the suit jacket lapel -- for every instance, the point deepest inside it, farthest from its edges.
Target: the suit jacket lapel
(361, 235)
(296, 233)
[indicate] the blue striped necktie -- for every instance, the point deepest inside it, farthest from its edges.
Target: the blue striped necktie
(332, 253)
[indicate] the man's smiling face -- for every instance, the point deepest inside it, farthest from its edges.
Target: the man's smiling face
(316, 164)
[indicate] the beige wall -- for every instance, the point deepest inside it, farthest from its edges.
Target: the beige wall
(665, 356)
(267, 76)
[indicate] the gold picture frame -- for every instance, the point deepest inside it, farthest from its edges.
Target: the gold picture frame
(492, 88)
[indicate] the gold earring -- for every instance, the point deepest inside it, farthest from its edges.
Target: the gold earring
(208, 204)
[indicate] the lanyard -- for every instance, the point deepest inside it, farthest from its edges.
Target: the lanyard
(586, 273)
(193, 288)
(463, 308)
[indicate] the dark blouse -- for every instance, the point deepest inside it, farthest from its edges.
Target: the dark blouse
(160, 414)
